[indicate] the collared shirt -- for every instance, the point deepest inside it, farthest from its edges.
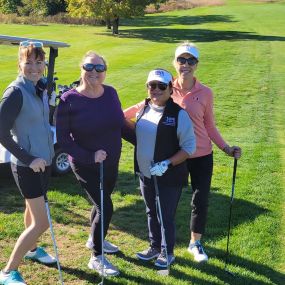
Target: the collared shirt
(198, 102)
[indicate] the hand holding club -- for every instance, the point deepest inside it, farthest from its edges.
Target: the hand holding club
(159, 168)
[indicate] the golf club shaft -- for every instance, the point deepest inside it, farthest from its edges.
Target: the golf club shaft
(53, 240)
(102, 218)
(230, 214)
(161, 218)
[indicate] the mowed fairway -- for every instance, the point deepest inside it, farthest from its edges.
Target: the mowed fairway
(242, 47)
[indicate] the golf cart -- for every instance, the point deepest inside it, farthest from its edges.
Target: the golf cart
(60, 163)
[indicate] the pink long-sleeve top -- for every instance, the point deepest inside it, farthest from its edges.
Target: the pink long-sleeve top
(198, 102)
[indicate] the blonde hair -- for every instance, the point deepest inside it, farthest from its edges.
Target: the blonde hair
(187, 44)
(92, 53)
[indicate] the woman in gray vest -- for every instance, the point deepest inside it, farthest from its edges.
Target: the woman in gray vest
(25, 132)
(165, 139)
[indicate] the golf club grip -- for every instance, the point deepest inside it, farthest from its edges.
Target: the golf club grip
(235, 170)
(234, 179)
(155, 181)
(101, 173)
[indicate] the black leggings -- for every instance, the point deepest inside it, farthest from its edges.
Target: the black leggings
(89, 178)
(201, 170)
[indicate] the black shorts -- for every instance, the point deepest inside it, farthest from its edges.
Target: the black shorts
(31, 184)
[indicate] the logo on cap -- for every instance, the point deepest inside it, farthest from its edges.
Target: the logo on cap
(159, 72)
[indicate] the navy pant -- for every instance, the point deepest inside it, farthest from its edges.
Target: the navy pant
(201, 170)
(169, 198)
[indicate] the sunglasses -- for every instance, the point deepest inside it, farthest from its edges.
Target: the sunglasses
(90, 66)
(161, 86)
(31, 43)
(190, 61)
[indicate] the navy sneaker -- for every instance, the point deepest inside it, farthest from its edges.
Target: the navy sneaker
(148, 254)
(162, 262)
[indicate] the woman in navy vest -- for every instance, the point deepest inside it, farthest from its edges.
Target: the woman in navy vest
(89, 122)
(25, 132)
(164, 140)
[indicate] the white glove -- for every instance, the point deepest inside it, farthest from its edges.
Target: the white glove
(159, 168)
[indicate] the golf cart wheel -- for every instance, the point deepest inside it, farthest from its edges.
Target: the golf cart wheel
(60, 164)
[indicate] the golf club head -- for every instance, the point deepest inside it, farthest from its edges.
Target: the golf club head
(101, 283)
(163, 272)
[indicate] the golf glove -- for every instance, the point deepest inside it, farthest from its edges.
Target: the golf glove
(159, 168)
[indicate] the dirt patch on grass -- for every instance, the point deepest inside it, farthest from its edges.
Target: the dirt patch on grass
(182, 4)
(262, 1)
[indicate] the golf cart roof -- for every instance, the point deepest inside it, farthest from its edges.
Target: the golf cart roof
(10, 40)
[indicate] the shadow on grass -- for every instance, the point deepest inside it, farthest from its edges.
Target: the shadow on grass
(172, 35)
(167, 20)
(211, 270)
(157, 28)
(238, 278)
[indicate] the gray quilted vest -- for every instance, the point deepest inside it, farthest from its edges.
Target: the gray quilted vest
(31, 129)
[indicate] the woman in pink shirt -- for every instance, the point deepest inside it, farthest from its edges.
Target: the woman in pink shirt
(197, 100)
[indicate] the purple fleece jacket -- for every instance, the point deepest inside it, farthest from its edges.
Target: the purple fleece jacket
(85, 125)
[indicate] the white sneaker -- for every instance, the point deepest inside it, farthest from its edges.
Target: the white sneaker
(41, 256)
(95, 262)
(108, 247)
(12, 278)
(198, 252)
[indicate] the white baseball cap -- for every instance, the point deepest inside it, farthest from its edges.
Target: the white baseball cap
(190, 49)
(160, 75)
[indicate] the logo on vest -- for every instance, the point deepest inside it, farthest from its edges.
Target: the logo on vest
(169, 121)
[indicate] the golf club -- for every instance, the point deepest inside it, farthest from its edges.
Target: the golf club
(102, 221)
(163, 272)
(53, 239)
(230, 216)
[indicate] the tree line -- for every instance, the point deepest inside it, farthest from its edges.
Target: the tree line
(107, 12)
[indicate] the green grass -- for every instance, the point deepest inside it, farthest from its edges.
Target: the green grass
(242, 59)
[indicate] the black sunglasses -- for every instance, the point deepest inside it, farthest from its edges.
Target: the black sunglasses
(90, 66)
(161, 86)
(191, 60)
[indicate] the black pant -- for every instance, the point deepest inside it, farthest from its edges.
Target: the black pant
(169, 198)
(201, 170)
(89, 178)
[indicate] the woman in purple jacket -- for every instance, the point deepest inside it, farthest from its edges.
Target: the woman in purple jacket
(89, 123)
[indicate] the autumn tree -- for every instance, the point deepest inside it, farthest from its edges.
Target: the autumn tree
(109, 11)
(9, 6)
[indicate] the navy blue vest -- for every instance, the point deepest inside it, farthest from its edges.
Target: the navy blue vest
(167, 144)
